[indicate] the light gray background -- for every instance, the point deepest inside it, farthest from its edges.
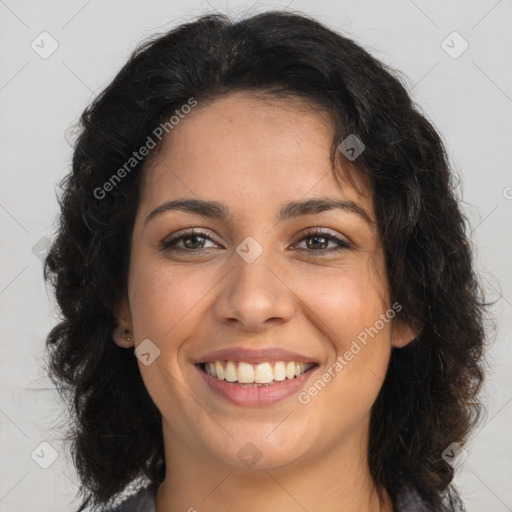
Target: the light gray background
(468, 98)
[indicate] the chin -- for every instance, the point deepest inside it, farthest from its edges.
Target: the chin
(255, 452)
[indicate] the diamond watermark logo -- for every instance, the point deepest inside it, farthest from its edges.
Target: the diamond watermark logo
(147, 352)
(40, 248)
(455, 455)
(454, 45)
(44, 45)
(249, 249)
(352, 147)
(249, 454)
(44, 455)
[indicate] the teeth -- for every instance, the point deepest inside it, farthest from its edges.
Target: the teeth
(231, 372)
(279, 371)
(263, 373)
(245, 373)
(290, 370)
(218, 370)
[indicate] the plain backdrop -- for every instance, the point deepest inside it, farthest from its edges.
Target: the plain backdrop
(466, 92)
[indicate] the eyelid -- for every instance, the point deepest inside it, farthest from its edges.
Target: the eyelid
(317, 230)
(342, 243)
(185, 233)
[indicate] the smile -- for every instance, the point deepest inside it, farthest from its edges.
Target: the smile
(255, 385)
(265, 374)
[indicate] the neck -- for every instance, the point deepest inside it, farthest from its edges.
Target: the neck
(338, 481)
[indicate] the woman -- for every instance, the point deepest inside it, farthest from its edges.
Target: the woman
(266, 281)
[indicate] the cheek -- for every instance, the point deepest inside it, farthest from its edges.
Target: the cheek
(344, 303)
(166, 307)
(347, 308)
(164, 300)
(348, 312)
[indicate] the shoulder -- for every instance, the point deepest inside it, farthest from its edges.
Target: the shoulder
(142, 501)
(409, 500)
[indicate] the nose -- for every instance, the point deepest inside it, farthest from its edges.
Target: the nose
(254, 295)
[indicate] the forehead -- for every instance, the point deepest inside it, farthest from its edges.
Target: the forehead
(251, 149)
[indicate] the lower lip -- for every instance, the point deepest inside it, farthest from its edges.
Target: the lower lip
(257, 395)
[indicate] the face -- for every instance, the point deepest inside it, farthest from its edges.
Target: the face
(258, 289)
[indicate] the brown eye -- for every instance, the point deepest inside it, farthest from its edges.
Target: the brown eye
(318, 242)
(192, 241)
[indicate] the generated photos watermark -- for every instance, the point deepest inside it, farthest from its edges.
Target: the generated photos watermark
(145, 149)
(304, 397)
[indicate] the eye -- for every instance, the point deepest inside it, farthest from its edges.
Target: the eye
(193, 241)
(320, 241)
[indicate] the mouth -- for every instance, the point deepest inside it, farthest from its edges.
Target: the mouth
(263, 374)
(255, 385)
(254, 376)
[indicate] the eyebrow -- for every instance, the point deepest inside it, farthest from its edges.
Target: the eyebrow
(216, 210)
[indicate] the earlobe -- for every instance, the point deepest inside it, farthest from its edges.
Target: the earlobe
(123, 337)
(123, 332)
(402, 334)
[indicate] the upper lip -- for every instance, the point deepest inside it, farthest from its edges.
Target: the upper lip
(254, 356)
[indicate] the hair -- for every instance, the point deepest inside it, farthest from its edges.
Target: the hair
(428, 398)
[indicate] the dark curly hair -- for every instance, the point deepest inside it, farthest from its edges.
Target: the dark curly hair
(428, 399)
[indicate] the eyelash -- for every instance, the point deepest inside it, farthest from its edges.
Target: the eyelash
(170, 244)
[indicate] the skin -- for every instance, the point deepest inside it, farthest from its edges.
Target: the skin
(253, 155)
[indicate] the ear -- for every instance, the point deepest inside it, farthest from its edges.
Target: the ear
(123, 332)
(402, 333)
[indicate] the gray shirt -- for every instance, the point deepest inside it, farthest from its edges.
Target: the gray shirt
(144, 501)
